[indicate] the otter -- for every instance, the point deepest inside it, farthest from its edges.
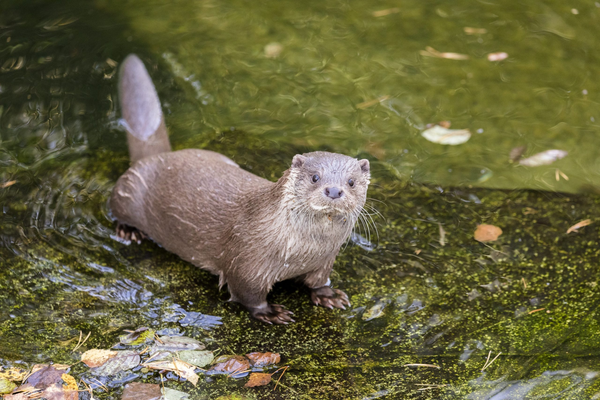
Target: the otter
(247, 230)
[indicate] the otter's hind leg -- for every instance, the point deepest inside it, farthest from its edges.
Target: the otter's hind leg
(129, 233)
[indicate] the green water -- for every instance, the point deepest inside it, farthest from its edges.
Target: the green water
(62, 273)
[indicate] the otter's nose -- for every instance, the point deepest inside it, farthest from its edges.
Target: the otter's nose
(333, 192)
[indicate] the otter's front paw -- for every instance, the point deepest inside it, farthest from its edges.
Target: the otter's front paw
(329, 298)
(129, 233)
(272, 314)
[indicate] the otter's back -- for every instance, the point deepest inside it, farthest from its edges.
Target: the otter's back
(186, 200)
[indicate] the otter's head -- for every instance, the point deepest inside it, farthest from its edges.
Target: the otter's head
(328, 183)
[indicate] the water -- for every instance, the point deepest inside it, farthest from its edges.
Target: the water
(532, 295)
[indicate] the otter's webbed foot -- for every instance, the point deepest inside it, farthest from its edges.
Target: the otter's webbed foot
(272, 314)
(327, 297)
(129, 233)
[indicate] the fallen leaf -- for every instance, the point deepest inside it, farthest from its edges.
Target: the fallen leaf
(263, 359)
(442, 235)
(431, 52)
(199, 358)
(17, 396)
(58, 392)
(258, 379)
(6, 386)
(45, 375)
(487, 233)
(71, 383)
(137, 337)
(176, 343)
(181, 368)
(543, 158)
(7, 184)
(497, 56)
(578, 225)
(377, 310)
(273, 50)
(231, 364)
(516, 153)
(97, 357)
(14, 374)
(122, 361)
(383, 13)
(474, 31)
(172, 394)
(441, 135)
(141, 391)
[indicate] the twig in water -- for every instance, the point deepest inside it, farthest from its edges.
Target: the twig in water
(79, 342)
(284, 369)
(490, 363)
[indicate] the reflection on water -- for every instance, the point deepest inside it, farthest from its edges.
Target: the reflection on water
(348, 77)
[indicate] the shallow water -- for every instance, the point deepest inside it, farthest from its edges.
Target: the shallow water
(532, 295)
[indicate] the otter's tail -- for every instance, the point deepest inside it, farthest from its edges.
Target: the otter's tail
(140, 107)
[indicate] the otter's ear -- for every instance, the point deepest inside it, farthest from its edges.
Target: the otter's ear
(298, 161)
(364, 165)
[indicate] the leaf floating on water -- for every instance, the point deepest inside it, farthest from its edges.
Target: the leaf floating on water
(122, 361)
(181, 368)
(263, 359)
(199, 358)
(474, 31)
(431, 52)
(578, 225)
(383, 13)
(487, 233)
(141, 391)
(97, 357)
(258, 379)
(45, 375)
(231, 364)
(58, 392)
(442, 235)
(543, 158)
(7, 184)
(6, 386)
(273, 50)
(516, 153)
(137, 337)
(497, 56)
(441, 135)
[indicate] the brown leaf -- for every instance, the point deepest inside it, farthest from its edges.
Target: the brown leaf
(578, 225)
(263, 359)
(258, 379)
(96, 357)
(18, 396)
(516, 153)
(58, 392)
(45, 376)
(231, 364)
(141, 391)
(487, 233)
(179, 367)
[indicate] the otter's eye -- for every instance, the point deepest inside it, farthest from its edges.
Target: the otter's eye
(315, 178)
(351, 182)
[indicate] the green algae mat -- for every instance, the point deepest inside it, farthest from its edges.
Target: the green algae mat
(435, 313)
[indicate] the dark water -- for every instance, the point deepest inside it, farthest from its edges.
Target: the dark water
(532, 295)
